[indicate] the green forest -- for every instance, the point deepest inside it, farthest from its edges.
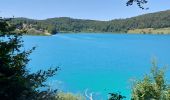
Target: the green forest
(153, 21)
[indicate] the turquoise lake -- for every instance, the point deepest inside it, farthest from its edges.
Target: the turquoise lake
(99, 63)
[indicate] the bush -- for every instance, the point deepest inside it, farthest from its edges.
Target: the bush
(152, 87)
(69, 96)
(116, 96)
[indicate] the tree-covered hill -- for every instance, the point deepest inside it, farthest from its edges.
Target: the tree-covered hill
(153, 21)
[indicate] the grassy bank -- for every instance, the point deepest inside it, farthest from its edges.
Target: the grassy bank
(151, 31)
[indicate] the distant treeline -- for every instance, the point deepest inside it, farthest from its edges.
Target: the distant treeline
(66, 24)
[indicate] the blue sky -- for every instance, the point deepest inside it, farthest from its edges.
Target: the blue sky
(83, 9)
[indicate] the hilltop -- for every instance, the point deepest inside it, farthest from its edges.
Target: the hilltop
(158, 23)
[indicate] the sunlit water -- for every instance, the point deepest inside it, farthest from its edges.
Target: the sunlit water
(100, 63)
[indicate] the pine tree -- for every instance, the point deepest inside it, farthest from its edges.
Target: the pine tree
(16, 83)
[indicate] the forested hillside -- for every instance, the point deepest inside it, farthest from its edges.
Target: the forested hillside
(152, 21)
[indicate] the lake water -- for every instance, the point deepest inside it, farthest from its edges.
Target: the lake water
(100, 63)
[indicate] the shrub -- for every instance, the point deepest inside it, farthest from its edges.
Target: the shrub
(69, 96)
(152, 87)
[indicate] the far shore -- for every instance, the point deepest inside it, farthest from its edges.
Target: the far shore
(129, 32)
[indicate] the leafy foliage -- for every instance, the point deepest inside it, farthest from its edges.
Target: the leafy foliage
(152, 87)
(116, 96)
(16, 83)
(140, 3)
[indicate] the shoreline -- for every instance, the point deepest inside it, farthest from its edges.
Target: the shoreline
(30, 34)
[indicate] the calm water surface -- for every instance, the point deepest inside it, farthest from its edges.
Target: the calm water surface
(101, 63)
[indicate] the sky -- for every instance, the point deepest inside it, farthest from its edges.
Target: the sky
(81, 9)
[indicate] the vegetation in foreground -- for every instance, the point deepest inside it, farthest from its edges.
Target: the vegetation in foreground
(148, 23)
(154, 86)
(69, 96)
(116, 96)
(16, 83)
